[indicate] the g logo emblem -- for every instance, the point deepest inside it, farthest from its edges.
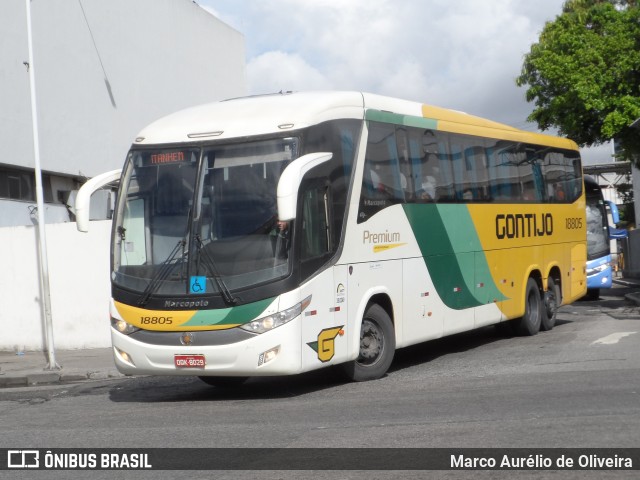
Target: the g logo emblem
(326, 345)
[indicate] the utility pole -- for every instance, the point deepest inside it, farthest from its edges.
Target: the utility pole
(42, 236)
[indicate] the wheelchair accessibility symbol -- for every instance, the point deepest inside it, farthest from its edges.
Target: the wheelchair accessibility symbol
(198, 284)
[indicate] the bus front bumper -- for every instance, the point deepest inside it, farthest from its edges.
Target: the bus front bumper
(599, 278)
(277, 352)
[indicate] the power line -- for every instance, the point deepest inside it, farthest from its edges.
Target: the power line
(95, 46)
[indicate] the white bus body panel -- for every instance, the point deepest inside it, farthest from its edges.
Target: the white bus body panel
(236, 359)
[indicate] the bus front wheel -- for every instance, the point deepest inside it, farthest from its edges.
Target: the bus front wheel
(377, 346)
(529, 323)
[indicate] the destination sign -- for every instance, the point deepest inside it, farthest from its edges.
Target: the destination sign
(166, 157)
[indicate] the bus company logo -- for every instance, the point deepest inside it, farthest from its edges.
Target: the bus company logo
(325, 347)
(185, 303)
(525, 225)
(23, 459)
(382, 241)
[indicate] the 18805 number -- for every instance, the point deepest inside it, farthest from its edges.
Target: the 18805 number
(574, 223)
(156, 320)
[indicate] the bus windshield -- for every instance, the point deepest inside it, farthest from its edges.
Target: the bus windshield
(237, 223)
(201, 212)
(597, 230)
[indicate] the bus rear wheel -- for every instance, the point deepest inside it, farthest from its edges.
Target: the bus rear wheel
(552, 300)
(529, 323)
(377, 346)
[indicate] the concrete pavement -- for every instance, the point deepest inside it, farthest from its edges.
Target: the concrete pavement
(633, 296)
(30, 368)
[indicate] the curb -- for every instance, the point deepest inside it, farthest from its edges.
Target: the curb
(52, 378)
(633, 297)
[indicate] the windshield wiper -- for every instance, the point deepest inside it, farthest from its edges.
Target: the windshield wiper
(227, 296)
(162, 273)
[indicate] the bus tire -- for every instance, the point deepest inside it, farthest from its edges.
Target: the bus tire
(529, 323)
(593, 294)
(552, 300)
(224, 382)
(377, 346)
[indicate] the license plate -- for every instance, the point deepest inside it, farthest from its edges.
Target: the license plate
(189, 361)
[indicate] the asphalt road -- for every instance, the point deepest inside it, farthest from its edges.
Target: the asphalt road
(577, 386)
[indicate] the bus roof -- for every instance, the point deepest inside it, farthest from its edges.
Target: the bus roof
(281, 112)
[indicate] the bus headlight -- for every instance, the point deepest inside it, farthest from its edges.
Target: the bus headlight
(598, 269)
(270, 322)
(122, 326)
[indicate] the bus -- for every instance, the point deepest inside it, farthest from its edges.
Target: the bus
(600, 232)
(279, 234)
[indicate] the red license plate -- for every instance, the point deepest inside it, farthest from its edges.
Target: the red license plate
(189, 361)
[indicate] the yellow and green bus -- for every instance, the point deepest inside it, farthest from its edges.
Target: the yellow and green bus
(279, 234)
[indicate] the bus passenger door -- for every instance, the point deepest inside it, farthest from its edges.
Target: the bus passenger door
(323, 322)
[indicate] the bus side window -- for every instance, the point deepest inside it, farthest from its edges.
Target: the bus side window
(476, 164)
(315, 226)
(538, 180)
(459, 170)
(315, 229)
(426, 169)
(554, 176)
(404, 164)
(573, 170)
(504, 177)
(531, 174)
(383, 183)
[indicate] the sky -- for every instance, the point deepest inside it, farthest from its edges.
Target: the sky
(458, 54)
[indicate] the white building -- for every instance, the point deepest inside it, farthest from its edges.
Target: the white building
(104, 69)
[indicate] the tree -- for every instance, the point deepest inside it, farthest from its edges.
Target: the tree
(584, 74)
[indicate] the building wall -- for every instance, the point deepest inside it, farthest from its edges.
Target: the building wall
(104, 70)
(80, 287)
(15, 213)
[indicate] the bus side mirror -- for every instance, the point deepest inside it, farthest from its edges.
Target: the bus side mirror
(615, 215)
(290, 179)
(83, 199)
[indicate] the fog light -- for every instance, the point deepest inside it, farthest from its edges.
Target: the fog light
(124, 356)
(268, 355)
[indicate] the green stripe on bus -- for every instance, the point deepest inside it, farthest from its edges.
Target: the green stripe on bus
(397, 119)
(453, 254)
(229, 316)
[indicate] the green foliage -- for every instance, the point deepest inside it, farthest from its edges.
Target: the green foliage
(583, 75)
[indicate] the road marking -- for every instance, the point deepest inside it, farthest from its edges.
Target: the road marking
(613, 338)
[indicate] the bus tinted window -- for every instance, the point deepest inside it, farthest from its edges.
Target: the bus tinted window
(504, 178)
(338, 137)
(413, 165)
(562, 176)
(383, 183)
